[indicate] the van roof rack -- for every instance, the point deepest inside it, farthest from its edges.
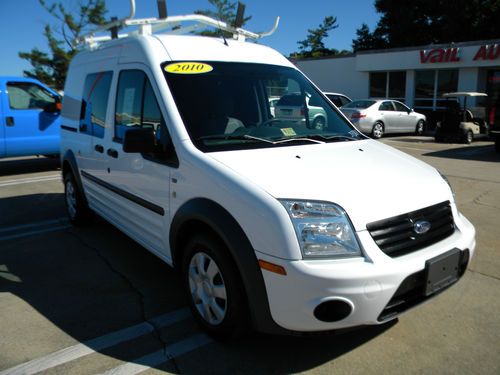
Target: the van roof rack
(149, 26)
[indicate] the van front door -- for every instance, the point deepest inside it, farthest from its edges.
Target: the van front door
(141, 182)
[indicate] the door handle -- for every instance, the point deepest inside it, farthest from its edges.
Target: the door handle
(99, 148)
(9, 121)
(113, 153)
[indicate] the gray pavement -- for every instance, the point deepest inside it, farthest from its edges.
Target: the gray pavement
(90, 300)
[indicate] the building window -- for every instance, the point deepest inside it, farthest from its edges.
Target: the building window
(388, 85)
(430, 85)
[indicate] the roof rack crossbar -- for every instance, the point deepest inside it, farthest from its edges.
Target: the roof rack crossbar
(156, 24)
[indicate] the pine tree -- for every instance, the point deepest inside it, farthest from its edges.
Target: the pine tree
(224, 11)
(51, 68)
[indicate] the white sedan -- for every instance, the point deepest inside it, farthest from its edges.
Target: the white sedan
(379, 117)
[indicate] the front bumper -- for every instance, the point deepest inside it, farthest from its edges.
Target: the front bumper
(364, 287)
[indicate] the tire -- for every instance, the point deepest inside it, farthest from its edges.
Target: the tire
(319, 123)
(77, 209)
(468, 137)
(419, 129)
(214, 288)
(497, 143)
(378, 130)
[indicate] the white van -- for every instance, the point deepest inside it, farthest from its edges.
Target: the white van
(272, 222)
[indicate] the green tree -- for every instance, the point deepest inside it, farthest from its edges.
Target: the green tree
(313, 45)
(51, 67)
(430, 21)
(223, 10)
(366, 40)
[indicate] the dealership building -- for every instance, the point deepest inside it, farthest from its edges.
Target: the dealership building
(417, 76)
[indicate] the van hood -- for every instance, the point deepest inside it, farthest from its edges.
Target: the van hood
(368, 179)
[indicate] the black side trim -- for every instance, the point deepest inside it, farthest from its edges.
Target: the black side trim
(212, 215)
(125, 194)
(69, 128)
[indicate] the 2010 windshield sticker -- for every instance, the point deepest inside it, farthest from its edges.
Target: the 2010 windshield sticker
(188, 68)
(289, 132)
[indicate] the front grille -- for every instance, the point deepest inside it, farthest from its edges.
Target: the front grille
(396, 236)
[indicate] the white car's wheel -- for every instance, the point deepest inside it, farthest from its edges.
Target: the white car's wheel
(378, 130)
(77, 209)
(419, 129)
(214, 289)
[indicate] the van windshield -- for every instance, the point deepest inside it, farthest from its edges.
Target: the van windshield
(229, 106)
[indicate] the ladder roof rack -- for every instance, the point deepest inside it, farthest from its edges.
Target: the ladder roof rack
(148, 26)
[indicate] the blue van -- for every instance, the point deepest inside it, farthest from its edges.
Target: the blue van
(29, 118)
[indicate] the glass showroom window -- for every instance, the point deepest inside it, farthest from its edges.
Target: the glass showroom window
(430, 85)
(388, 85)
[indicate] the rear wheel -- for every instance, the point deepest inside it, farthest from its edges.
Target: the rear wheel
(319, 123)
(378, 130)
(468, 137)
(76, 207)
(497, 143)
(214, 288)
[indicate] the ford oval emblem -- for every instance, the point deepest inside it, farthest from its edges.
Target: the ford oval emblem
(421, 226)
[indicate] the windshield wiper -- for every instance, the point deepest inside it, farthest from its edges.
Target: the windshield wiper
(253, 138)
(244, 137)
(317, 138)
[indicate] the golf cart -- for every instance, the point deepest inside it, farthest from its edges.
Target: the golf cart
(458, 122)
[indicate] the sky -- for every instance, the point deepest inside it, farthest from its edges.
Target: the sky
(22, 22)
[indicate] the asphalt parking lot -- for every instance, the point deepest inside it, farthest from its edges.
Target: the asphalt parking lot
(91, 301)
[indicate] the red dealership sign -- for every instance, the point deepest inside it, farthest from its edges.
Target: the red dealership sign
(439, 55)
(488, 52)
(451, 55)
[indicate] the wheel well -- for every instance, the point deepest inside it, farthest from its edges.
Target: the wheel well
(66, 167)
(379, 122)
(184, 232)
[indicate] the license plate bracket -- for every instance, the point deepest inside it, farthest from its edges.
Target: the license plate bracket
(442, 271)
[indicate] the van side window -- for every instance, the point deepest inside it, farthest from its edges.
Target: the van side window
(26, 95)
(95, 103)
(136, 106)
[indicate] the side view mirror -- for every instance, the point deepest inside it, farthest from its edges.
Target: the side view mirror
(139, 140)
(53, 107)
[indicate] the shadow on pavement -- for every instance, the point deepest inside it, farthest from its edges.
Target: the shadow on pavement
(94, 280)
(9, 167)
(478, 153)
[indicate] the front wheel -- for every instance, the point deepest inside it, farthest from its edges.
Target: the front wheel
(214, 288)
(378, 130)
(419, 129)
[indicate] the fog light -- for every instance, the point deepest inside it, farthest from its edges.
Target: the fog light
(332, 310)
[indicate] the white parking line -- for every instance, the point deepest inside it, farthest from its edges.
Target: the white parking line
(24, 230)
(139, 365)
(29, 180)
(80, 350)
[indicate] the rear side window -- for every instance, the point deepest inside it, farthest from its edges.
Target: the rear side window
(27, 95)
(95, 103)
(386, 106)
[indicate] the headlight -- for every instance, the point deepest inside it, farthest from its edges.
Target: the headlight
(323, 229)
